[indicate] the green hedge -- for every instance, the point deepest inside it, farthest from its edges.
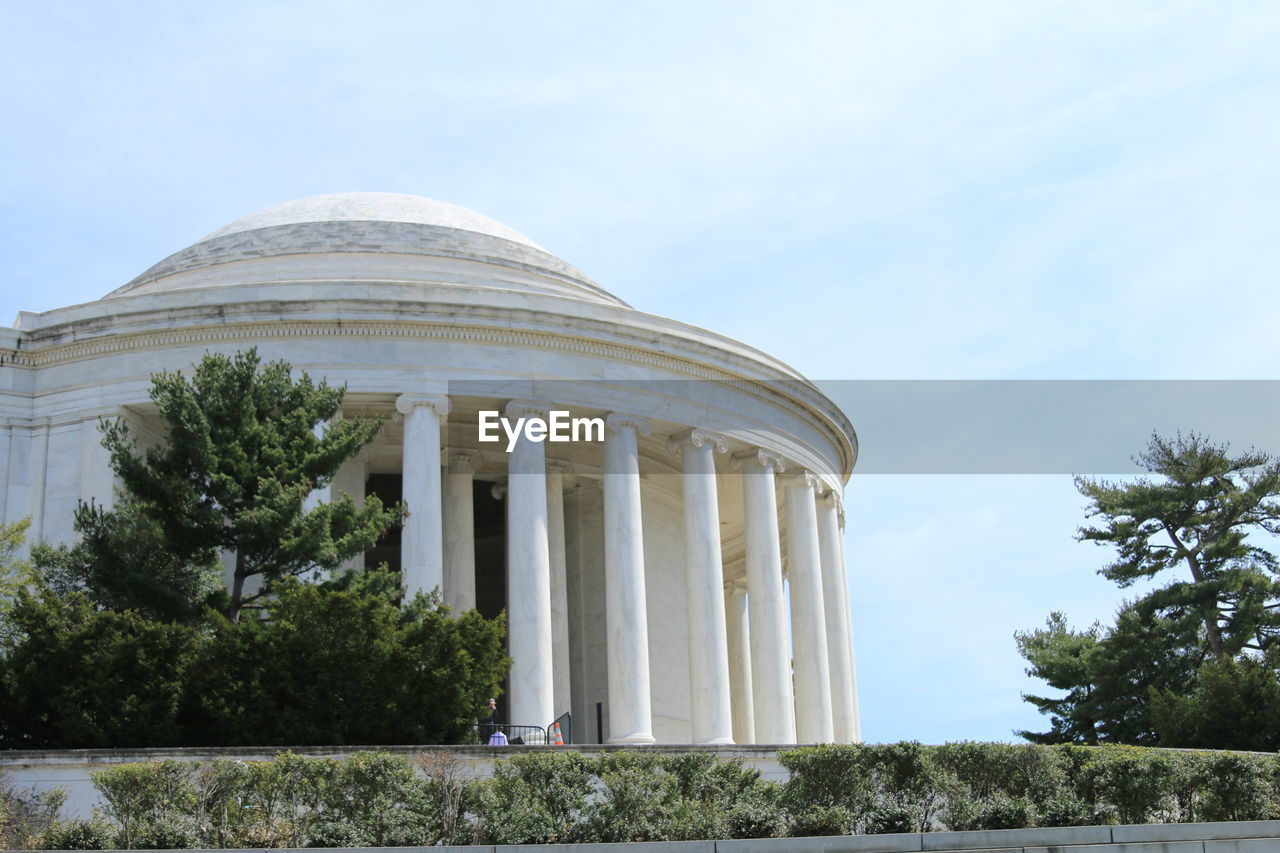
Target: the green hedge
(552, 796)
(968, 786)
(332, 665)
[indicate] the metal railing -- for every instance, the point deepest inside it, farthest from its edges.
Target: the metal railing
(529, 735)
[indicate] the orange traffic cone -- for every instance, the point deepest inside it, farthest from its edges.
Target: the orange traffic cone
(555, 733)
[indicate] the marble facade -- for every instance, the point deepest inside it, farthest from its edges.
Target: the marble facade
(680, 581)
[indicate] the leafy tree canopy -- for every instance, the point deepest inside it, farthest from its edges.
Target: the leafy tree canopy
(72, 675)
(1190, 526)
(122, 562)
(1196, 521)
(326, 665)
(1106, 674)
(1235, 705)
(15, 573)
(246, 444)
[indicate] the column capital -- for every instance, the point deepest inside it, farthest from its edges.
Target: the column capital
(560, 468)
(697, 438)
(761, 457)
(735, 586)
(804, 478)
(461, 461)
(527, 408)
(498, 490)
(832, 496)
(618, 421)
(406, 403)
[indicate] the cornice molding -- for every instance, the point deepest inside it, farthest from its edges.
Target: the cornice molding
(16, 358)
(252, 331)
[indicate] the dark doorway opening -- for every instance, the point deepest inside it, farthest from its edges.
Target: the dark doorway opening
(388, 488)
(491, 566)
(491, 550)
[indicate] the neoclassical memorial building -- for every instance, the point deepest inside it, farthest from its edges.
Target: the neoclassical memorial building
(676, 578)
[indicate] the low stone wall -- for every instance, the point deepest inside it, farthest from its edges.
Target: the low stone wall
(1235, 837)
(72, 769)
(1238, 837)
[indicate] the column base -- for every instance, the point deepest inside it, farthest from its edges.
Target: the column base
(719, 741)
(635, 738)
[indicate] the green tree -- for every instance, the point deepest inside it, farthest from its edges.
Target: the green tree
(1064, 659)
(75, 676)
(1235, 705)
(1197, 519)
(246, 444)
(15, 572)
(1191, 526)
(121, 562)
(334, 665)
(329, 664)
(1107, 675)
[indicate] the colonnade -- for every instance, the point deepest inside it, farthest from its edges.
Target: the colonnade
(747, 685)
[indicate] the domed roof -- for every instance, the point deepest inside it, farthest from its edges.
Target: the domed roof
(374, 207)
(367, 237)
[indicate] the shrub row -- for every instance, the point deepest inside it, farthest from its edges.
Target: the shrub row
(329, 666)
(906, 787)
(379, 799)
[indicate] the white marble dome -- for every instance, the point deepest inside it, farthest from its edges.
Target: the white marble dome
(386, 237)
(373, 207)
(642, 573)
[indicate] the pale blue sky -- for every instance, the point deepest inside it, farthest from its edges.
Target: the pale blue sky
(867, 191)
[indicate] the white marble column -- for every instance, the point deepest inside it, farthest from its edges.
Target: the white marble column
(770, 659)
(848, 629)
(839, 650)
(459, 531)
(422, 546)
(557, 474)
(626, 619)
(808, 618)
(709, 695)
(735, 608)
(529, 578)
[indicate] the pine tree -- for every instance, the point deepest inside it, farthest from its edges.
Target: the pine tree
(1196, 520)
(123, 563)
(1218, 612)
(246, 444)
